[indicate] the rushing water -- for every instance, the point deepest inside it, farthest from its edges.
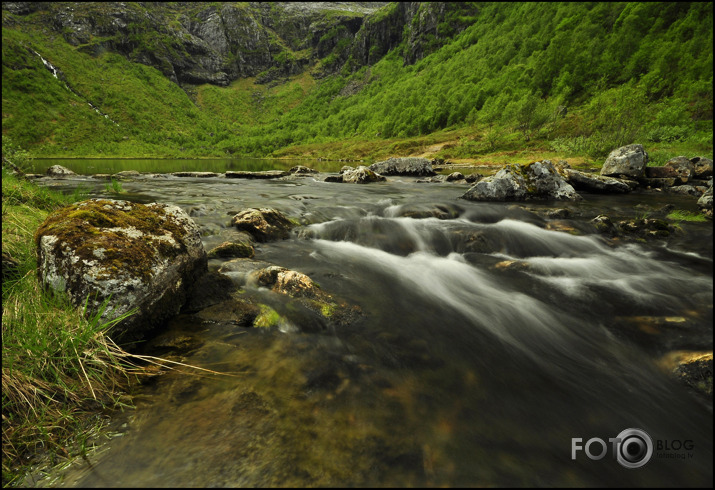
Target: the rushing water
(485, 343)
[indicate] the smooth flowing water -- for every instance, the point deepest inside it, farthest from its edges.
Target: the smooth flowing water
(488, 338)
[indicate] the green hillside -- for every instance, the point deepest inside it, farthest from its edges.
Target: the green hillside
(568, 78)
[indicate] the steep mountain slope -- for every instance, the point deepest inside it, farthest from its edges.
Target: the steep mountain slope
(210, 79)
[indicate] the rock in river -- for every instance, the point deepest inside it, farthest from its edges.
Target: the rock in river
(414, 166)
(263, 224)
(128, 254)
(537, 180)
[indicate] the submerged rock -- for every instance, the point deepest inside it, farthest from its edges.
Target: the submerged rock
(538, 180)
(629, 160)
(310, 306)
(266, 174)
(638, 228)
(202, 175)
(210, 289)
(127, 254)
(235, 311)
(263, 224)
(693, 369)
(232, 250)
(413, 166)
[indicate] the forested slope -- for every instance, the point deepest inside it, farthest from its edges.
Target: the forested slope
(573, 77)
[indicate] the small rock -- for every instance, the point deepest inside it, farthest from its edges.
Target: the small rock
(231, 250)
(264, 224)
(301, 169)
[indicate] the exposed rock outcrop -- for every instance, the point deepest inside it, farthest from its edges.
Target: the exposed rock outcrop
(129, 255)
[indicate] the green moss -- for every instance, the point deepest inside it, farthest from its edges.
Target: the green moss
(327, 309)
(680, 215)
(73, 224)
(267, 318)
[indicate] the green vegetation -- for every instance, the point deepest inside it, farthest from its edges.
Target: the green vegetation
(59, 369)
(573, 79)
(114, 187)
(681, 215)
(268, 317)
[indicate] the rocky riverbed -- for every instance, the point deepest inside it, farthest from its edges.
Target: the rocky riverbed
(398, 334)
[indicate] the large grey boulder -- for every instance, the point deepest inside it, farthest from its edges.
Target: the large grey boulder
(414, 166)
(538, 180)
(130, 255)
(629, 160)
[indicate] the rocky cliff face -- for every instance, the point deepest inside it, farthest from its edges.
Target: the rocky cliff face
(195, 42)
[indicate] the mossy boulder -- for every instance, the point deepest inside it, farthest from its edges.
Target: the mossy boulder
(128, 254)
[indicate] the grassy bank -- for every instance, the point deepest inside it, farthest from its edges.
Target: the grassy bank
(59, 370)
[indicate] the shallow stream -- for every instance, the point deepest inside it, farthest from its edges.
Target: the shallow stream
(486, 337)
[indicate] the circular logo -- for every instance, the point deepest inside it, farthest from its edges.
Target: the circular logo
(635, 448)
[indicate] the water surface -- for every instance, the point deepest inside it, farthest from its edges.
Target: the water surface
(486, 340)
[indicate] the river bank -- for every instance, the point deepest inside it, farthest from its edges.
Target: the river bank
(61, 375)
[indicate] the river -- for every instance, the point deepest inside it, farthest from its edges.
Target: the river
(492, 344)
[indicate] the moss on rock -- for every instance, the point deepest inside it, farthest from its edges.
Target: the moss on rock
(131, 255)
